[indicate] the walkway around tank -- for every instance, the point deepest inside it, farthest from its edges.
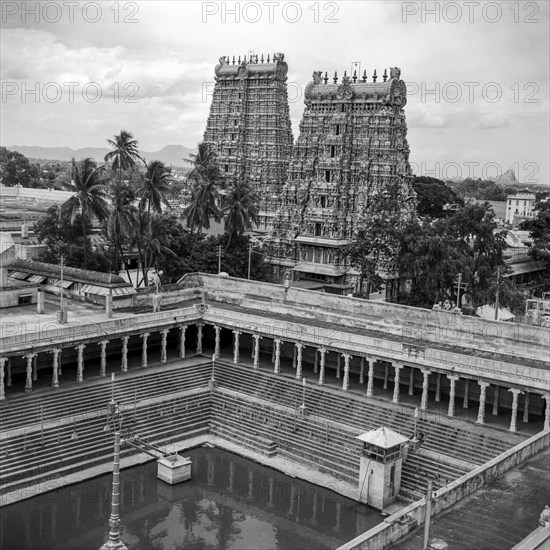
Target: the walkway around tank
(497, 516)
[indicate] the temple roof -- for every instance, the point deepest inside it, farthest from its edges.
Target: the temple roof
(383, 438)
(69, 273)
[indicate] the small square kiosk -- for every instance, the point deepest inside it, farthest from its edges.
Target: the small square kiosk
(380, 470)
(174, 468)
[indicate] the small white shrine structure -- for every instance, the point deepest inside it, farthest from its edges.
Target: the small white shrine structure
(174, 468)
(380, 469)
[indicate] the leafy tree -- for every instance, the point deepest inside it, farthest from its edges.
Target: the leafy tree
(90, 196)
(432, 196)
(373, 248)
(16, 169)
(240, 210)
(539, 228)
(432, 254)
(64, 238)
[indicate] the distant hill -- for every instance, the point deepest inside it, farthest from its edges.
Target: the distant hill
(170, 154)
(508, 178)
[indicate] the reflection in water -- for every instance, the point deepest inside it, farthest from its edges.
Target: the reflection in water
(230, 503)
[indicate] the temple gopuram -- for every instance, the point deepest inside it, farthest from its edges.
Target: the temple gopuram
(351, 159)
(249, 126)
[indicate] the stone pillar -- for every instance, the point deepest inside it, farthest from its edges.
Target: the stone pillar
(28, 381)
(236, 336)
(199, 338)
(362, 371)
(526, 408)
(315, 361)
(546, 397)
(103, 363)
(277, 366)
(411, 381)
(397, 367)
(425, 386)
(482, 397)
(8, 382)
(370, 378)
(495, 400)
(466, 393)
(183, 329)
(163, 342)
(438, 388)
(144, 337)
(386, 376)
(35, 368)
(294, 357)
(3, 361)
(299, 349)
(217, 330)
(256, 350)
(513, 419)
(55, 377)
(453, 379)
(338, 365)
(322, 353)
(80, 366)
(124, 362)
(345, 382)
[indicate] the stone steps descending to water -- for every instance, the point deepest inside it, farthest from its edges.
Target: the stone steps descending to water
(296, 438)
(363, 413)
(76, 399)
(61, 454)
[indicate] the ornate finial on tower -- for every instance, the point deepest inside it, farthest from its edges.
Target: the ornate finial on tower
(335, 78)
(345, 74)
(262, 58)
(385, 75)
(268, 58)
(354, 77)
(233, 60)
(326, 77)
(244, 59)
(239, 60)
(374, 77)
(365, 75)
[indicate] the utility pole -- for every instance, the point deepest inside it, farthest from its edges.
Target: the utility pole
(458, 291)
(497, 294)
(219, 259)
(249, 257)
(62, 318)
(427, 517)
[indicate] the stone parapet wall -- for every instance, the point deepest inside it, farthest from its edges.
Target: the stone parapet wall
(424, 326)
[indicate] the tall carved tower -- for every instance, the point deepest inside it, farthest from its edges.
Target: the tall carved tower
(249, 126)
(351, 159)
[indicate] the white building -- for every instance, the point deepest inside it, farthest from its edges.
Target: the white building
(521, 205)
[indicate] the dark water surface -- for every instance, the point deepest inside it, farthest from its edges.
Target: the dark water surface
(230, 503)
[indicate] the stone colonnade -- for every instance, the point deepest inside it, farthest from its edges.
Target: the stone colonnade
(366, 369)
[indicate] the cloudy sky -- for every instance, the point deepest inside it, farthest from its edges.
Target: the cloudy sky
(477, 72)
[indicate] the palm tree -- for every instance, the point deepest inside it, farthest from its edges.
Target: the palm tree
(154, 188)
(240, 209)
(153, 192)
(124, 154)
(122, 217)
(89, 199)
(203, 180)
